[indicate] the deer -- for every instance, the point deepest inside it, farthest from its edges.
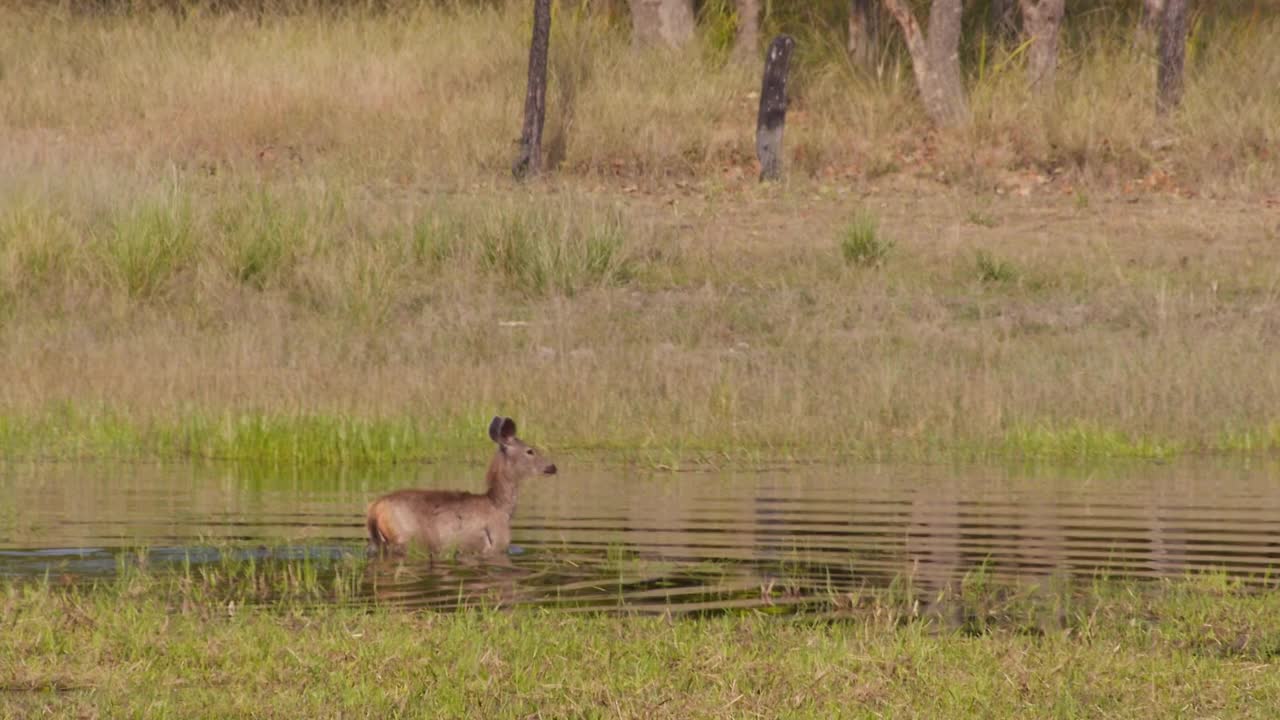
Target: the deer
(444, 521)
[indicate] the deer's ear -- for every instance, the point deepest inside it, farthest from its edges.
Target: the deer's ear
(508, 430)
(495, 428)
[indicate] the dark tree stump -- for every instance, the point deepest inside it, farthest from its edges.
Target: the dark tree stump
(529, 161)
(1172, 49)
(773, 107)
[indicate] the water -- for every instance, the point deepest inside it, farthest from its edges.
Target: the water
(592, 538)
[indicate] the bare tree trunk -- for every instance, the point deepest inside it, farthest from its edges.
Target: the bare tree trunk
(1172, 50)
(529, 161)
(773, 107)
(863, 32)
(1004, 19)
(669, 22)
(747, 40)
(936, 59)
(1042, 20)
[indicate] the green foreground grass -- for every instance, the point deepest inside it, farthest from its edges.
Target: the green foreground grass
(158, 645)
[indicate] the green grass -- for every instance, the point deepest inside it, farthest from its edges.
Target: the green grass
(69, 432)
(191, 644)
(1084, 441)
(861, 242)
(262, 240)
(541, 252)
(994, 270)
(1249, 440)
(146, 248)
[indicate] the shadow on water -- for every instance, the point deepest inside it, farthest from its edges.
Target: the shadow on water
(778, 541)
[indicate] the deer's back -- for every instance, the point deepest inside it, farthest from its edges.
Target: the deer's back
(441, 520)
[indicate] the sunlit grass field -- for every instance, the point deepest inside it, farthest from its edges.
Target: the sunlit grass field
(263, 640)
(291, 236)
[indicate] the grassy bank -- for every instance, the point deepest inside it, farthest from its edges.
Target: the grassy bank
(272, 239)
(807, 322)
(170, 646)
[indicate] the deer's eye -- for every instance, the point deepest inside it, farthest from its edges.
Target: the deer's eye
(529, 451)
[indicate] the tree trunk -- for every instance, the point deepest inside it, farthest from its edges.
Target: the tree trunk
(863, 32)
(773, 107)
(1004, 18)
(667, 22)
(1172, 50)
(747, 40)
(529, 161)
(935, 59)
(1042, 20)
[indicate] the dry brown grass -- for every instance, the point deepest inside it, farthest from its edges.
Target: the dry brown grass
(309, 216)
(421, 95)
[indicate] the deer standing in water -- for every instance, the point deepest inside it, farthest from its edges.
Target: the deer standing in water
(450, 520)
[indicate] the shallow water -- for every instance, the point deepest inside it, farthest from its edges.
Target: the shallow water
(592, 538)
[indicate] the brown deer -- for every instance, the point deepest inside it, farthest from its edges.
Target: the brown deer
(448, 520)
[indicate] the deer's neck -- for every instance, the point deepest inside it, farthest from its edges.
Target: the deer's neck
(502, 489)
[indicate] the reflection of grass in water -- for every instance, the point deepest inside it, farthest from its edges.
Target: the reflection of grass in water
(1116, 648)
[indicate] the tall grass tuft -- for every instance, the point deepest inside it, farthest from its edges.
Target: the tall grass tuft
(539, 252)
(147, 247)
(862, 244)
(261, 239)
(994, 270)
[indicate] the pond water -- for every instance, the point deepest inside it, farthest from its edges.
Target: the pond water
(593, 537)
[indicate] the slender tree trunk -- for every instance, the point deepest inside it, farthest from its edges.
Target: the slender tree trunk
(863, 32)
(935, 59)
(1004, 18)
(1042, 20)
(667, 22)
(747, 41)
(529, 161)
(773, 107)
(1172, 50)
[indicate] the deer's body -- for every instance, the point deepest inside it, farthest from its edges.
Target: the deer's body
(443, 521)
